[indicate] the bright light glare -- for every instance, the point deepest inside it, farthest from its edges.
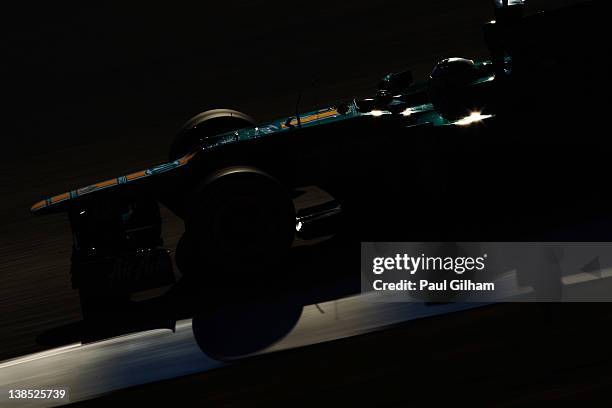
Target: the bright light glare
(472, 118)
(298, 226)
(376, 112)
(408, 112)
(500, 3)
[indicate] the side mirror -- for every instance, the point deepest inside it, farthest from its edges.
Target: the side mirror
(396, 83)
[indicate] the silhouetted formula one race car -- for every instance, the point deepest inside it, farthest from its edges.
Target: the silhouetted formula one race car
(509, 148)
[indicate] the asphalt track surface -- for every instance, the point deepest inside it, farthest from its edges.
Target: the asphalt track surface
(95, 369)
(98, 92)
(540, 338)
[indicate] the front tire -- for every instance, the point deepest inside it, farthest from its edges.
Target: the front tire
(204, 125)
(241, 218)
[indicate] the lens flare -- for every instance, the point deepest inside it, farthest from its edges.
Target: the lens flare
(408, 112)
(474, 117)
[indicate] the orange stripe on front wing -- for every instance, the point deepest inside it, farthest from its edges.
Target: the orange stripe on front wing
(106, 183)
(311, 118)
(59, 197)
(136, 175)
(186, 158)
(37, 206)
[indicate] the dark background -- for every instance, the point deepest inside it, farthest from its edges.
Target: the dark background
(93, 91)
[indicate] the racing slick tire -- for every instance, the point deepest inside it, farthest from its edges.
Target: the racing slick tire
(206, 124)
(239, 219)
